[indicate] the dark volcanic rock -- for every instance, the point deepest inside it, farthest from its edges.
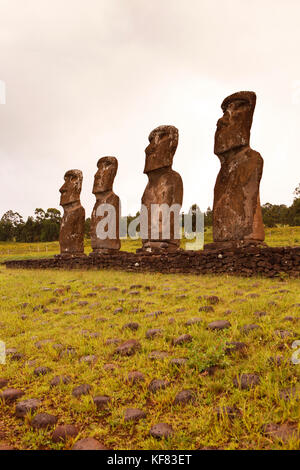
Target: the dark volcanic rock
(219, 325)
(41, 370)
(26, 406)
(128, 348)
(235, 346)
(135, 376)
(60, 379)
(182, 339)
(157, 384)
(10, 395)
(101, 401)
(89, 444)
(81, 390)
(185, 396)
(134, 414)
(63, 432)
(43, 421)
(153, 332)
(206, 308)
(161, 430)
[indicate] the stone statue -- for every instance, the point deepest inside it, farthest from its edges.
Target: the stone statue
(103, 190)
(71, 234)
(237, 216)
(164, 187)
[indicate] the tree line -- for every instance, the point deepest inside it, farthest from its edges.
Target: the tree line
(44, 225)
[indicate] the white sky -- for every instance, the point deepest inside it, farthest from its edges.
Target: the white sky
(89, 78)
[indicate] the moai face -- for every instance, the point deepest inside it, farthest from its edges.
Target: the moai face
(104, 178)
(233, 129)
(161, 149)
(71, 189)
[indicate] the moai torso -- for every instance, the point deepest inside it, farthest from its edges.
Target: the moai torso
(237, 216)
(103, 183)
(164, 188)
(71, 236)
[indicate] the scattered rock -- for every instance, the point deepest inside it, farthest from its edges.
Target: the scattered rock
(10, 395)
(178, 361)
(219, 325)
(206, 308)
(284, 333)
(157, 384)
(134, 414)
(60, 379)
(63, 432)
(193, 321)
(41, 370)
(81, 390)
(246, 381)
(128, 348)
(153, 332)
(132, 326)
(185, 396)
(247, 328)
(43, 421)
(235, 346)
(26, 406)
(182, 339)
(101, 401)
(90, 359)
(135, 376)
(89, 444)
(161, 430)
(213, 299)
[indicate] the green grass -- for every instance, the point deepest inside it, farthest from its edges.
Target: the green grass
(279, 236)
(195, 425)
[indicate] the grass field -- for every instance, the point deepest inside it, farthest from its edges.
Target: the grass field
(62, 320)
(279, 236)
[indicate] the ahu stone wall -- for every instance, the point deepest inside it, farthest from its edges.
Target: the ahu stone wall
(267, 262)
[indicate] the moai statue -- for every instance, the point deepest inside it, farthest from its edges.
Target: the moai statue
(237, 216)
(160, 230)
(106, 209)
(71, 234)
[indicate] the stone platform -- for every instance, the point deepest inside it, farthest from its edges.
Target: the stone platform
(266, 261)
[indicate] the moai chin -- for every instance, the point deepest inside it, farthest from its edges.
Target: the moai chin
(237, 216)
(71, 236)
(103, 190)
(164, 187)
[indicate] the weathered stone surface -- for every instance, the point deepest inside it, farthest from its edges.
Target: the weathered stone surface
(164, 187)
(43, 421)
(72, 225)
(10, 395)
(246, 381)
(26, 406)
(60, 379)
(41, 370)
(182, 339)
(101, 401)
(219, 325)
(128, 348)
(63, 432)
(161, 430)
(103, 190)
(133, 325)
(237, 217)
(135, 376)
(158, 384)
(184, 396)
(134, 414)
(206, 308)
(88, 443)
(83, 389)
(153, 332)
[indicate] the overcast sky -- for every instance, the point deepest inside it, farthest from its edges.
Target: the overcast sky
(90, 78)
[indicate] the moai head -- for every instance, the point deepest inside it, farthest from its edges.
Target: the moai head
(104, 178)
(71, 189)
(233, 129)
(161, 149)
